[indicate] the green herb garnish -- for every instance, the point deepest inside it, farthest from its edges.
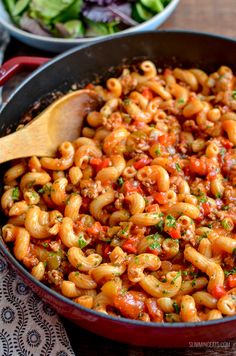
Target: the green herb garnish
(158, 151)
(81, 241)
(170, 221)
(120, 181)
(178, 168)
(226, 207)
(232, 271)
(176, 307)
(176, 277)
(222, 151)
(15, 194)
(159, 225)
(225, 224)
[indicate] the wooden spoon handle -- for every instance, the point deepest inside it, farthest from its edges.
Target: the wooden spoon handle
(26, 142)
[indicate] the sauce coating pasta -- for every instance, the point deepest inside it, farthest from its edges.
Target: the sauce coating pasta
(137, 218)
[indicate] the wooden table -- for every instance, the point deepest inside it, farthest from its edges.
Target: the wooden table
(216, 16)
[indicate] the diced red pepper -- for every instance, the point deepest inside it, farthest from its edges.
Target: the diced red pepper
(231, 281)
(198, 166)
(186, 170)
(167, 139)
(131, 304)
(211, 175)
(85, 202)
(142, 163)
(95, 230)
(130, 245)
(98, 163)
(155, 312)
(153, 208)
(95, 161)
(218, 291)
(106, 250)
(89, 86)
(199, 219)
(154, 251)
(139, 124)
(131, 187)
(206, 208)
(147, 93)
(174, 233)
(163, 139)
(160, 197)
(226, 143)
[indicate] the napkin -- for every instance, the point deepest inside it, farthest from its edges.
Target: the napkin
(28, 326)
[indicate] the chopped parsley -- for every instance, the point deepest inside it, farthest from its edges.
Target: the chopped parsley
(15, 194)
(30, 184)
(33, 195)
(159, 225)
(155, 245)
(222, 151)
(170, 221)
(234, 94)
(127, 119)
(120, 181)
(193, 274)
(210, 225)
(158, 151)
(127, 101)
(218, 195)
(226, 207)
(178, 168)
(45, 244)
(176, 277)
(81, 241)
(77, 273)
(193, 283)
(181, 101)
(232, 271)
(176, 307)
(202, 199)
(123, 231)
(226, 224)
(46, 188)
(204, 235)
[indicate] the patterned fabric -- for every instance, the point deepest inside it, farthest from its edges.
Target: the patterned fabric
(28, 327)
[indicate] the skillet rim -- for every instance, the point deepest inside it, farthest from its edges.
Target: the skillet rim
(17, 266)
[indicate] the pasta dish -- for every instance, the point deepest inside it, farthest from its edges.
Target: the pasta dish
(136, 218)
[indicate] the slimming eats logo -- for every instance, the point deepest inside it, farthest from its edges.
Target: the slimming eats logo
(212, 344)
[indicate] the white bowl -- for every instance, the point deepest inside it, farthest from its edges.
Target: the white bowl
(61, 44)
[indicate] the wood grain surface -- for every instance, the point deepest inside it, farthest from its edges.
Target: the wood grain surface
(215, 16)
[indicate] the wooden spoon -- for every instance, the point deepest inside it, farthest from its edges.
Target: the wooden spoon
(61, 121)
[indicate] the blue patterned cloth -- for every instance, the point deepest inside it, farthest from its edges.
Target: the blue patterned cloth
(28, 327)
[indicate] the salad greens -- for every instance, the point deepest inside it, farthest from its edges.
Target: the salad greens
(79, 18)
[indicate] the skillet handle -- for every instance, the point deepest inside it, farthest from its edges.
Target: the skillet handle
(16, 64)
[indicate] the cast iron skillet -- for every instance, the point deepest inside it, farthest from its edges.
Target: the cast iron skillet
(83, 65)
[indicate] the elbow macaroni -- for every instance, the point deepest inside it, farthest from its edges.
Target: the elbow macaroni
(137, 218)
